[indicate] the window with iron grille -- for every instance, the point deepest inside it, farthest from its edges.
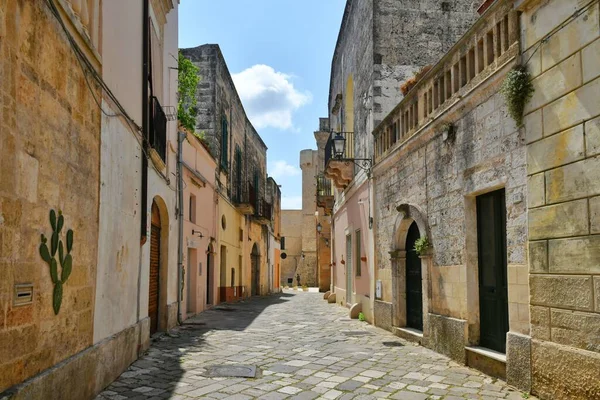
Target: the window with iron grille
(158, 128)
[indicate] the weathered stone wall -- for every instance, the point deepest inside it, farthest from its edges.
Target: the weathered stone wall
(408, 35)
(563, 168)
(217, 100)
(439, 178)
(49, 159)
(435, 177)
(353, 58)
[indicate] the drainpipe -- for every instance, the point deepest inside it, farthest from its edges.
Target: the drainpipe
(144, 191)
(180, 138)
(145, 136)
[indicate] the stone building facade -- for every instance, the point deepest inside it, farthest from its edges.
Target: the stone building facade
(87, 145)
(380, 45)
(244, 213)
(507, 284)
(561, 40)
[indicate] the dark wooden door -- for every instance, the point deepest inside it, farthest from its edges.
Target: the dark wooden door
(414, 286)
(154, 274)
(493, 291)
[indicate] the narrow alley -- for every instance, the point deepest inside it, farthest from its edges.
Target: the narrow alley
(302, 348)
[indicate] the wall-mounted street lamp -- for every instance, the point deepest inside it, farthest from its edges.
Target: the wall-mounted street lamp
(200, 235)
(319, 227)
(339, 145)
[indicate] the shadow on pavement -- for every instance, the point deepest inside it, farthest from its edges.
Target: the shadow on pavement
(158, 373)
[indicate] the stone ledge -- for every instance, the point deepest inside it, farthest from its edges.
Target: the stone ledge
(496, 355)
(410, 334)
(487, 361)
(93, 368)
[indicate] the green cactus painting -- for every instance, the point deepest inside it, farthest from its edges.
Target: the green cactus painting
(65, 260)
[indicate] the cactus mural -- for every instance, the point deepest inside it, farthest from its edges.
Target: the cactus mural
(64, 259)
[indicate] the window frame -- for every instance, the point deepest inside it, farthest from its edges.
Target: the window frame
(192, 209)
(224, 143)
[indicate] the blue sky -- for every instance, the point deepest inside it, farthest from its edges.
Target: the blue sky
(279, 53)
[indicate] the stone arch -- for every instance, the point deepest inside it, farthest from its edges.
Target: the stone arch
(407, 215)
(159, 204)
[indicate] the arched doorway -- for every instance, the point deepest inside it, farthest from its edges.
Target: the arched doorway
(414, 285)
(209, 274)
(153, 290)
(255, 271)
(410, 303)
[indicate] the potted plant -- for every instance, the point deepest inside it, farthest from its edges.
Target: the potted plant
(421, 245)
(305, 287)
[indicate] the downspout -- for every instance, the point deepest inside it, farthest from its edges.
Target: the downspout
(180, 138)
(144, 191)
(145, 133)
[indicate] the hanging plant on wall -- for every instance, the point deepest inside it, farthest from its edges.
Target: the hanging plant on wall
(517, 90)
(64, 259)
(187, 110)
(421, 245)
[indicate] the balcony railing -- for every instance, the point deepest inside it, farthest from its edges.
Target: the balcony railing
(483, 50)
(325, 194)
(158, 128)
(263, 211)
(85, 17)
(324, 188)
(244, 197)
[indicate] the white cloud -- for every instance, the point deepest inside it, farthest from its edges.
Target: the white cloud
(269, 97)
(291, 202)
(281, 169)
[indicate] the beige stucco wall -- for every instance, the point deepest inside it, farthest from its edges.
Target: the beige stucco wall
(119, 243)
(563, 137)
(230, 238)
(198, 279)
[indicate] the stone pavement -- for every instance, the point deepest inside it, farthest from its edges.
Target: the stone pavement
(303, 348)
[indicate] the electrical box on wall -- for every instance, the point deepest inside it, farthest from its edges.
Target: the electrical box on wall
(378, 289)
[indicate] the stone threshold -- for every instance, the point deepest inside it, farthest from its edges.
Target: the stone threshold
(484, 351)
(488, 361)
(410, 334)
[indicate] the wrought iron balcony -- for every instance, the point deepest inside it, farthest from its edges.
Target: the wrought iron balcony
(244, 197)
(325, 194)
(263, 212)
(158, 128)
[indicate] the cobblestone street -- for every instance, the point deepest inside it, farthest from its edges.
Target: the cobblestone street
(303, 348)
